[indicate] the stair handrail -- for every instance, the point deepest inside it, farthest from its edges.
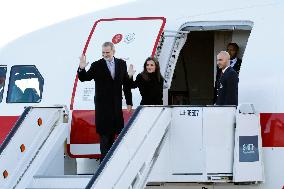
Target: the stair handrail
(114, 146)
(14, 129)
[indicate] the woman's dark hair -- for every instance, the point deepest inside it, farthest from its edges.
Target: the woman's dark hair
(145, 74)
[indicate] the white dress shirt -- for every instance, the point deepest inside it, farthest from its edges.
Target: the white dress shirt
(233, 62)
(223, 71)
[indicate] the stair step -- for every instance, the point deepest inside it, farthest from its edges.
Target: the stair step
(60, 182)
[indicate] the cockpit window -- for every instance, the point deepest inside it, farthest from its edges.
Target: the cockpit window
(25, 85)
(3, 70)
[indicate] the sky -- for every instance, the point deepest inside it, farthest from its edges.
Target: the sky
(19, 17)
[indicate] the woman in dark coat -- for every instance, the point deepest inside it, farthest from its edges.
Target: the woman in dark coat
(149, 82)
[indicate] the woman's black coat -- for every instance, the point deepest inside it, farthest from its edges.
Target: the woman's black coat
(151, 90)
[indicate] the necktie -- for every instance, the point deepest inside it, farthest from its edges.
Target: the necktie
(111, 68)
(221, 74)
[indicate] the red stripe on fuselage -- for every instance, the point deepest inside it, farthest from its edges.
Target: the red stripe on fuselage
(83, 129)
(6, 124)
(84, 132)
(272, 129)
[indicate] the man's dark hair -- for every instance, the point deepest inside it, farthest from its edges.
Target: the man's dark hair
(234, 45)
(108, 44)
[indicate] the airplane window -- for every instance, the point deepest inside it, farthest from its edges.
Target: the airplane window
(3, 70)
(25, 85)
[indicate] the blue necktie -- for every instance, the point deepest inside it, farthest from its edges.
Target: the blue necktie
(111, 68)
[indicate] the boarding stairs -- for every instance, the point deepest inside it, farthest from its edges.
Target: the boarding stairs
(160, 144)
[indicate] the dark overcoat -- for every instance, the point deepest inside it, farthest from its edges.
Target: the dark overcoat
(151, 90)
(227, 93)
(108, 94)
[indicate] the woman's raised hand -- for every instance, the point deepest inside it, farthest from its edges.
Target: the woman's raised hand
(131, 71)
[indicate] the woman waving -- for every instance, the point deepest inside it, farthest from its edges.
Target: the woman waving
(149, 82)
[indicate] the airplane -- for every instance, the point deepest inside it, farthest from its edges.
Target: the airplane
(40, 68)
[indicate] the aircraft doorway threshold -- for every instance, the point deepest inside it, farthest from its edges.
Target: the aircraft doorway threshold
(190, 73)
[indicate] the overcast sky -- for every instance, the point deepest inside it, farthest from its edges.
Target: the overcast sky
(18, 17)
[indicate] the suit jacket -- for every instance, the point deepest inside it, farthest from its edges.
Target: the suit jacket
(236, 67)
(227, 93)
(108, 97)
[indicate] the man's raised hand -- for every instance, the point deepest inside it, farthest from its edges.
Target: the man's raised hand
(83, 62)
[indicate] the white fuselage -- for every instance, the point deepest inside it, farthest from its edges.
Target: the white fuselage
(55, 50)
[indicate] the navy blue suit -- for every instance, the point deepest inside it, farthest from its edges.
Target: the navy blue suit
(227, 92)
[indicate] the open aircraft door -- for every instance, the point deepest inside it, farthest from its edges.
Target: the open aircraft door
(135, 39)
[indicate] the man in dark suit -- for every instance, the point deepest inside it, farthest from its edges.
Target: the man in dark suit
(110, 74)
(235, 62)
(227, 92)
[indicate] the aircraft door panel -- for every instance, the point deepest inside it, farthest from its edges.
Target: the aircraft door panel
(3, 71)
(132, 45)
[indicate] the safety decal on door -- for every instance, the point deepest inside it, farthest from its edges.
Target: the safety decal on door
(248, 149)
